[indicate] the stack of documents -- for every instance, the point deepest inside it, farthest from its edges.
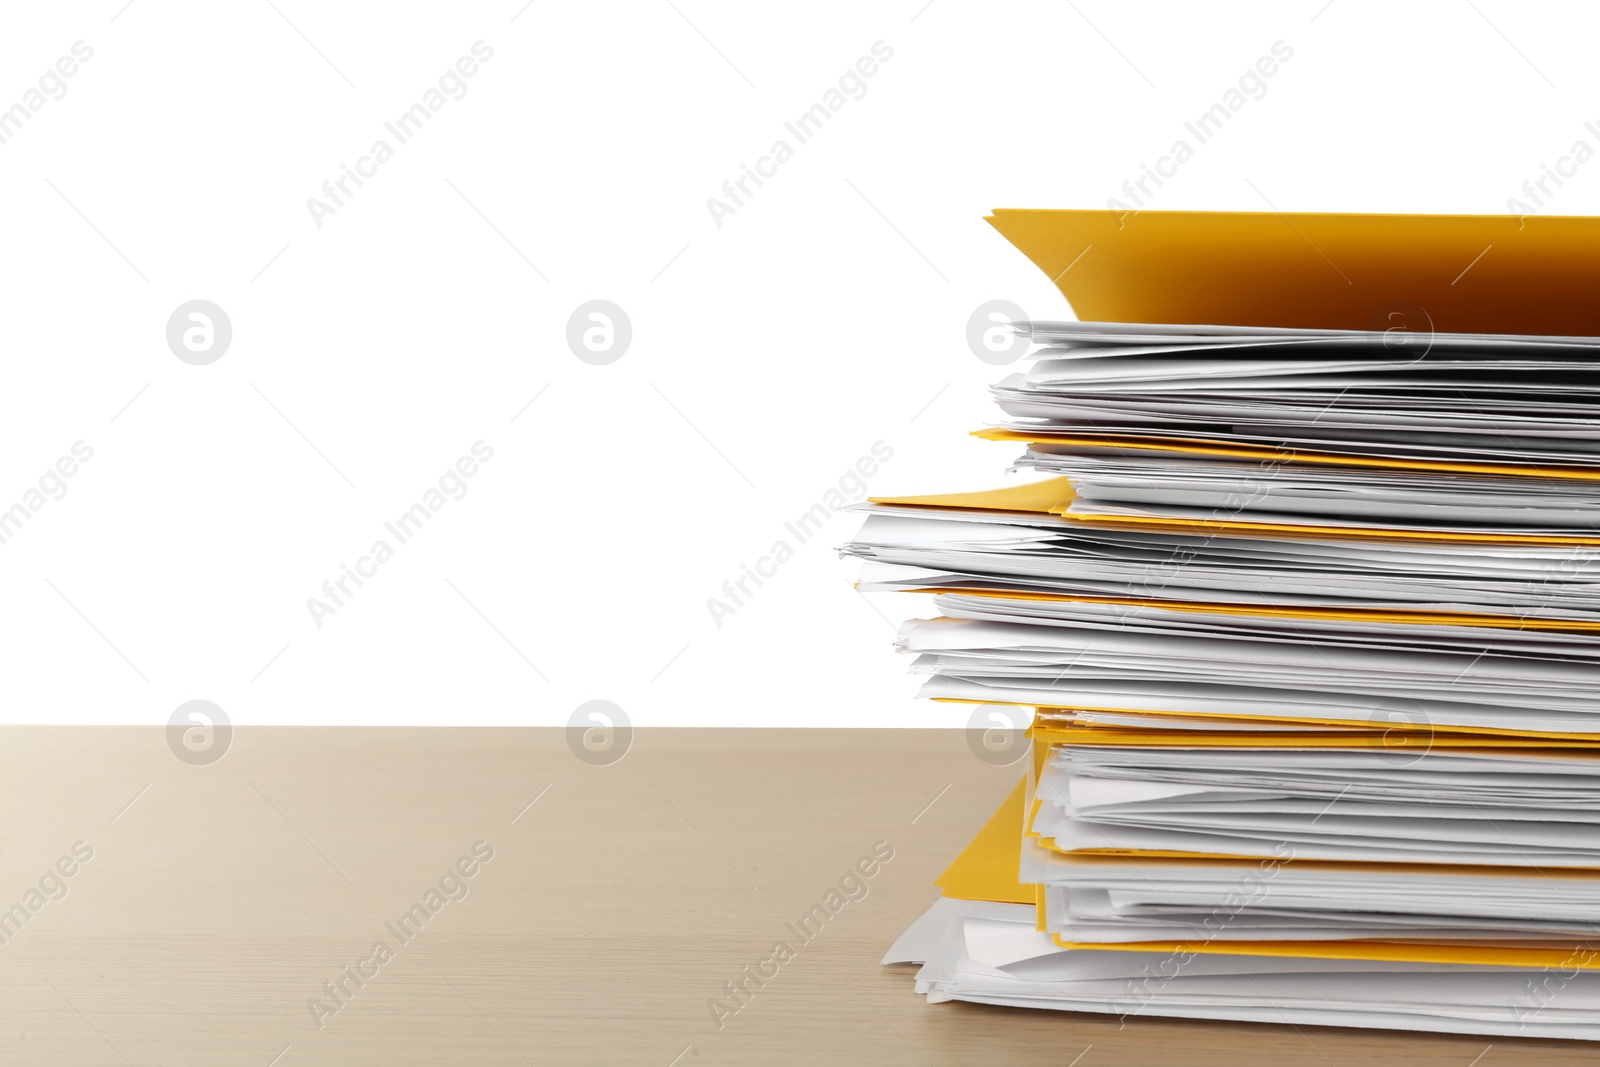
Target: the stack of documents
(1309, 609)
(982, 942)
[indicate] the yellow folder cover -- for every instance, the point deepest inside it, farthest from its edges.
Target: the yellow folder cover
(987, 868)
(1528, 274)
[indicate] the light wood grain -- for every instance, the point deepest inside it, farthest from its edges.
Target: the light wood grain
(218, 902)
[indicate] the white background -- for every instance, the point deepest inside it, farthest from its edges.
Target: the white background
(768, 354)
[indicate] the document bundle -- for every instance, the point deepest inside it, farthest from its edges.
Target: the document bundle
(1304, 589)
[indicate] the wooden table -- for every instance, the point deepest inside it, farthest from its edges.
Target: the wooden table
(219, 899)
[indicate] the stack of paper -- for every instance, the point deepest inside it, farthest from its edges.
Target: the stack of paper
(980, 942)
(1309, 608)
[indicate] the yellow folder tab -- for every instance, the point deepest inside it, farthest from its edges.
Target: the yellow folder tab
(1049, 496)
(1576, 955)
(1448, 273)
(1442, 733)
(987, 868)
(1309, 530)
(1183, 447)
(1394, 741)
(1372, 615)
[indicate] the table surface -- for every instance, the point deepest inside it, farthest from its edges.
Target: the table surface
(219, 900)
